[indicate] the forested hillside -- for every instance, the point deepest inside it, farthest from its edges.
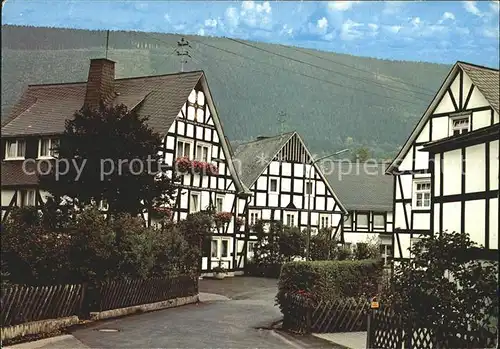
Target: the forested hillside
(333, 100)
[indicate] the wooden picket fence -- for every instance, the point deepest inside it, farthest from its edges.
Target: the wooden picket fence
(344, 314)
(20, 304)
(386, 330)
(127, 293)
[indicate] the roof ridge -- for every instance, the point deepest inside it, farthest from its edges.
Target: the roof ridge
(54, 84)
(267, 138)
(477, 66)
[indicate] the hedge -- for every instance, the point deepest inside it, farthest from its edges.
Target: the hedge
(263, 270)
(328, 280)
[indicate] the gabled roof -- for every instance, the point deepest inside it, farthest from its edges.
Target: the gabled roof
(252, 158)
(485, 79)
(43, 109)
(361, 186)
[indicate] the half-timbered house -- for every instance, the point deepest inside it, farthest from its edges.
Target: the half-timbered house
(446, 174)
(284, 185)
(180, 107)
(366, 192)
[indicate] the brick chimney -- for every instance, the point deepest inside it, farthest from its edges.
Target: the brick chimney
(101, 82)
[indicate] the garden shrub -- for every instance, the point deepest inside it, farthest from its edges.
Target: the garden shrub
(330, 279)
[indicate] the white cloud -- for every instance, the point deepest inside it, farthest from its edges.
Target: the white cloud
(232, 16)
(373, 26)
(340, 5)
(470, 6)
(201, 32)
(490, 32)
(254, 15)
(494, 5)
(349, 31)
(318, 28)
(211, 23)
(446, 16)
(416, 21)
(322, 23)
(462, 30)
(167, 17)
(392, 7)
(286, 31)
(330, 36)
(393, 28)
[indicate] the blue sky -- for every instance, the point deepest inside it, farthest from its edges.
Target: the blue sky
(432, 31)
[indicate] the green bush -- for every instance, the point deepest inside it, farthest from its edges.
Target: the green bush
(330, 279)
(263, 270)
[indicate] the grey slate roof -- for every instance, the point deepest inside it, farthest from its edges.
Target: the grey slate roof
(251, 159)
(43, 109)
(361, 186)
(486, 80)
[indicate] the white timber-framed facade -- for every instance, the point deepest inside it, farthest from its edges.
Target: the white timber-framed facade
(284, 185)
(446, 174)
(180, 107)
(366, 192)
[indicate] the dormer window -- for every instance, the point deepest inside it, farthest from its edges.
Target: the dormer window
(15, 149)
(47, 147)
(460, 125)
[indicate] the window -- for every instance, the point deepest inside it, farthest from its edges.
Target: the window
(251, 246)
(225, 248)
(183, 149)
(46, 147)
(219, 203)
(28, 198)
(422, 194)
(290, 220)
(103, 205)
(460, 125)
(362, 220)
(348, 221)
(273, 185)
(324, 222)
(214, 249)
(254, 217)
(202, 152)
(378, 220)
(194, 203)
(309, 188)
(15, 149)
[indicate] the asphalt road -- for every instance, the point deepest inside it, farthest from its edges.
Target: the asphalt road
(213, 324)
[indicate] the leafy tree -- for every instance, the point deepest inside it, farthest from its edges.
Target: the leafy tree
(445, 289)
(322, 246)
(110, 153)
(361, 154)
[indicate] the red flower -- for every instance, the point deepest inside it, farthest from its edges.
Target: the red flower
(223, 217)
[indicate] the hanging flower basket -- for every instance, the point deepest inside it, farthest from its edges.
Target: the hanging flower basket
(221, 218)
(239, 222)
(162, 212)
(183, 164)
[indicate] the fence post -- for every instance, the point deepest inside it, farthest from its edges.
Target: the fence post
(369, 326)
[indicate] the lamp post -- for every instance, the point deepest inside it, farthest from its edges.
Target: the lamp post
(308, 242)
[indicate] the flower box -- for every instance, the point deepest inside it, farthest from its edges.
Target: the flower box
(199, 167)
(222, 218)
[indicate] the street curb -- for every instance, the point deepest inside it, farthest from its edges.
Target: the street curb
(41, 342)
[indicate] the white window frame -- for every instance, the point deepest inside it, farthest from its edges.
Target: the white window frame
(191, 148)
(453, 119)
(383, 219)
(217, 199)
(17, 156)
(203, 145)
(254, 217)
(367, 215)
(191, 195)
(277, 185)
(324, 218)
(348, 221)
(27, 199)
(217, 248)
(221, 248)
(52, 153)
(251, 247)
(290, 219)
(416, 191)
